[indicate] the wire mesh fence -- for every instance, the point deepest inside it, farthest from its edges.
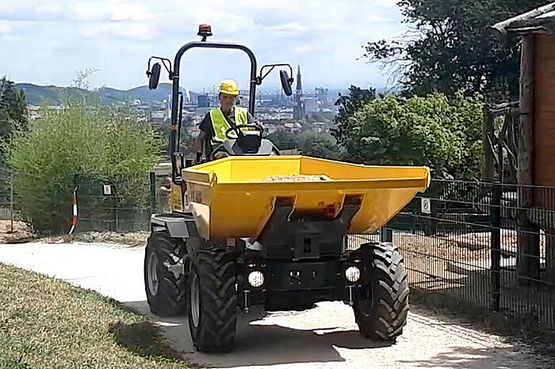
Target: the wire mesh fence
(102, 204)
(477, 242)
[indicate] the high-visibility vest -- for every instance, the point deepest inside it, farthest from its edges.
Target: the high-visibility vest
(221, 125)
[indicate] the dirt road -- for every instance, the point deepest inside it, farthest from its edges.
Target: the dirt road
(324, 337)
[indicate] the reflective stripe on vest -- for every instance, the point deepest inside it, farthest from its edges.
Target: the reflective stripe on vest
(221, 125)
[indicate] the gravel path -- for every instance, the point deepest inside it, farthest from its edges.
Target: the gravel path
(324, 337)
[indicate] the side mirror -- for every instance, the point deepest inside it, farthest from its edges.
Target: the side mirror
(153, 76)
(285, 82)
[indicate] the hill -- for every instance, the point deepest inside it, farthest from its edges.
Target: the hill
(142, 93)
(54, 95)
(51, 95)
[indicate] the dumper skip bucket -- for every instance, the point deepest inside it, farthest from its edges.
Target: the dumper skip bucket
(235, 196)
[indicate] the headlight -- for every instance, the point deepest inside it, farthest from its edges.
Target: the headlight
(352, 274)
(256, 278)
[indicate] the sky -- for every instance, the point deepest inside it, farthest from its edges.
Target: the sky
(48, 42)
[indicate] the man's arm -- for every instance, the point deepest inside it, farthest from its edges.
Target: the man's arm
(199, 145)
(205, 130)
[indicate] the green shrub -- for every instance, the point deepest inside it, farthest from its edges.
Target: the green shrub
(98, 141)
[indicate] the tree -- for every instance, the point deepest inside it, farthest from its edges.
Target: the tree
(284, 140)
(441, 133)
(318, 145)
(348, 106)
(451, 47)
(321, 145)
(93, 140)
(13, 113)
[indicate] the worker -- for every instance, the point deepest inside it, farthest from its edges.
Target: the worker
(219, 120)
(165, 192)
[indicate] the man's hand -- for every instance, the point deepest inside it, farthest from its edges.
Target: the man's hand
(198, 146)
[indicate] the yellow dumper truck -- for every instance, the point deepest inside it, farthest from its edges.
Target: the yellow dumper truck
(258, 228)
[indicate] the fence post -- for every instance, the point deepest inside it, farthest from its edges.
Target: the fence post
(11, 203)
(386, 235)
(152, 177)
(495, 211)
(487, 136)
(550, 255)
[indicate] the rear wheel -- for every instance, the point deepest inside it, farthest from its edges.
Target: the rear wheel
(212, 301)
(381, 312)
(163, 274)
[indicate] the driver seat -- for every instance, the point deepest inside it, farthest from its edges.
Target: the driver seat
(249, 143)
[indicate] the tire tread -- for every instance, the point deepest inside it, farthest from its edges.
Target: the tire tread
(385, 316)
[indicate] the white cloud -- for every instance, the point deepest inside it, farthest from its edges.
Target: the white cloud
(138, 31)
(291, 26)
(5, 28)
(118, 10)
(383, 3)
(89, 11)
(32, 10)
(117, 36)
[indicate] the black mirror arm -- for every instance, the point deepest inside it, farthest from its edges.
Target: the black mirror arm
(262, 76)
(165, 62)
(271, 68)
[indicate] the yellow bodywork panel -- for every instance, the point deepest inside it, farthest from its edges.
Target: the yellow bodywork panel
(230, 199)
(177, 198)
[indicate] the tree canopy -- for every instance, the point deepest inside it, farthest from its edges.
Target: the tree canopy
(442, 133)
(451, 47)
(321, 145)
(13, 112)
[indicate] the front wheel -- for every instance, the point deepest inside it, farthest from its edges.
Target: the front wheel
(212, 300)
(381, 312)
(163, 275)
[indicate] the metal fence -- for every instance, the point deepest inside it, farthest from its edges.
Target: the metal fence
(103, 205)
(476, 242)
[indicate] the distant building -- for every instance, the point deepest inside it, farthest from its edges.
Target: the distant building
(319, 127)
(203, 101)
(158, 114)
(311, 104)
(299, 109)
(322, 94)
(33, 112)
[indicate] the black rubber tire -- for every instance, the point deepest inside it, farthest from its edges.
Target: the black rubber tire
(381, 312)
(215, 328)
(169, 298)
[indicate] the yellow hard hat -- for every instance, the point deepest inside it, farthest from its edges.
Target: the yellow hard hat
(229, 87)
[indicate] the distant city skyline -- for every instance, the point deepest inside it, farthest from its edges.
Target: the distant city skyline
(47, 43)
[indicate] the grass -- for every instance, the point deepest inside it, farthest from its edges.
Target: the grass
(47, 323)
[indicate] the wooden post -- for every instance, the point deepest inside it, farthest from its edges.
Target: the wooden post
(487, 137)
(528, 235)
